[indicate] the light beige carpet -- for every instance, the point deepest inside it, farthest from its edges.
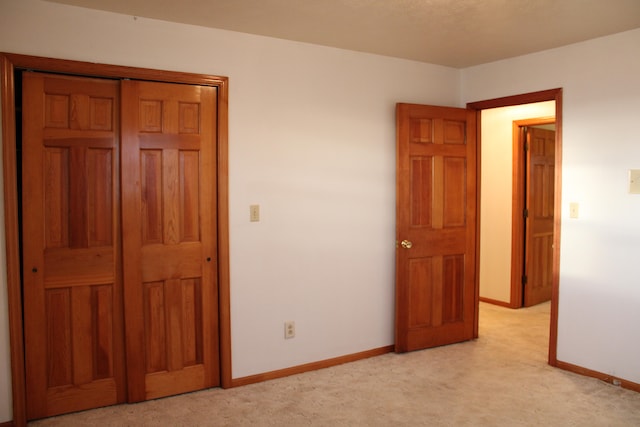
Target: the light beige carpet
(501, 379)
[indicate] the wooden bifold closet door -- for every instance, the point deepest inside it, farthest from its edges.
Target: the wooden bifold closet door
(118, 241)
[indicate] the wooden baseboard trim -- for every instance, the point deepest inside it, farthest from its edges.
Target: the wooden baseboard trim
(496, 302)
(630, 385)
(314, 366)
(7, 424)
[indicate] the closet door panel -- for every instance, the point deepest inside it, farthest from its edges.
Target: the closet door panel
(169, 237)
(74, 353)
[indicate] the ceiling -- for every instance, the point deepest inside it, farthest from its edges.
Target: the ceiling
(455, 33)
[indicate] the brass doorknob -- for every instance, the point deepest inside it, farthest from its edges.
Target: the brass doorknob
(406, 244)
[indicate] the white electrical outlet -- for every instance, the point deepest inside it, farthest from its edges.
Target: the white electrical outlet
(289, 329)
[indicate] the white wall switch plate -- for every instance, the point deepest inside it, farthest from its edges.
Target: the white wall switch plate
(574, 210)
(254, 213)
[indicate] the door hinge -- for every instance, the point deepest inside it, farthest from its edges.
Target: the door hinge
(526, 146)
(525, 213)
(524, 280)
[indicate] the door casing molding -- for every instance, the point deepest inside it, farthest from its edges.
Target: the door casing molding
(9, 63)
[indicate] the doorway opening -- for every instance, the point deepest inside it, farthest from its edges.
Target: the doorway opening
(486, 237)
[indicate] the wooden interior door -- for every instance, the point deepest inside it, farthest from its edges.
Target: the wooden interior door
(538, 273)
(169, 238)
(70, 233)
(436, 226)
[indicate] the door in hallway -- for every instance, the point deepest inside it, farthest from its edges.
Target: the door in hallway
(74, 354)
(436, 226)
(169, 238)
(539, 223)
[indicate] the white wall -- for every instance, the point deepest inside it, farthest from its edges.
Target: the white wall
(496, 196)
(599, 285)
(311, 139)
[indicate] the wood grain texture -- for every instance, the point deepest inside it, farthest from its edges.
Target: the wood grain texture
(436, 211)
(169, 146)
(518, 205)
(539, 224)
(12, 239)
(11, 62)
(71, 179)
(189, 193)
(421, 197)
(555, 291)
(524, 98)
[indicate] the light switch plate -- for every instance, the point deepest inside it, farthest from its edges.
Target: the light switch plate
(574, 210)
(254, 213)
(634, 181)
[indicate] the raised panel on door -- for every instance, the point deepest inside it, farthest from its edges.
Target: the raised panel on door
(539, 224)
(170, 254)
(74, 353)
(435, 259)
